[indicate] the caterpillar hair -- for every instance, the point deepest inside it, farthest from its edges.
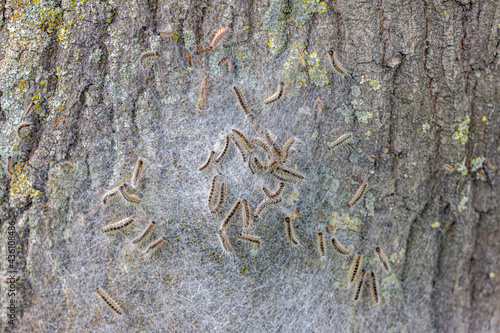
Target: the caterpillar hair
(287, 174)
(277, 95)
(341, 249)
(208, 162)
(262, 145)
(222, 198)
(359, 193)
(318, 106)
(128, 195)
(382, 259)
(359, 286)
(200, 107)
(155, 244)
(341, 141)
(276, 193)
(10, 167)
(213, 189)
(230, 214)
(320, 241)
(286, 149)
(337, 66)
(224, 151)
(373, 286)
(22, 126)
(137, 172)
(109, 301)
(238, 135)
(245, 214)
(144, 234)
(122, 224)
(146, 55)
(227, 248)
(356, 263)
(254, 240)
(219, 36)
(240, 148)
(243, 102)
(271, 142)
(110, 194)
(264, 204)
(290, 232)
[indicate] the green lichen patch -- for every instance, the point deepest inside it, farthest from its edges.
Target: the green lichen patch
(461, 205)
(477, 163)
(462, 168)
(343, 222)
(397, 257)
(462, 133)
(363, 116)
(426, 127)
(20, 186)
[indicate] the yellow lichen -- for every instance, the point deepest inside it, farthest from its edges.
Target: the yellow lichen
(343, 222)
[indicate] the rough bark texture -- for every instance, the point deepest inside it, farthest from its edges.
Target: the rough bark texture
(422, 98)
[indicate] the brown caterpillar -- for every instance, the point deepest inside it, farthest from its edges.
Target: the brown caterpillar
(373, 287)
(359, 286)
(146, 55)
(276, 193)
(356, 263)
(359, 193)
(109, 301)
(213, 189)
(227, 248)
(341, 249)
(200, 107)
(128, 195)
(218, 37)
(243, 102)
(286, 149)
(226, 60)
(110, 194)
(238, 135)
(290, 232)
(274, 145)
(265, 203)
(342, 140)
(145, 233)
(254, 240)
(336, 64)
(320, 240)
(208, 162)
(188, 58)
(301, 56)
(22, 126)
(284, 173)
(245, 213)
(224, 151)
(277, 95)
(258, 164)
(318, 106)
(137, 172)
(382, 259)
(262, 145)
(222, 198)
(119, 225)
(155, 244)
(230, 214)
(10, 167)
(240, 148)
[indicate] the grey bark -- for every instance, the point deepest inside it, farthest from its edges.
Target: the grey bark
(423, 98)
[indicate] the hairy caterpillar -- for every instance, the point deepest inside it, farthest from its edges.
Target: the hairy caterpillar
(128, 195)
(109, 301)
(284, 173)
(356, 263)
(276, 193)
(145, 233)
(277, 95)
(265, 203)
(341, 140)
(243, 102)
(208, 162)
(137, 172)
(301, 56)
(222, 198)
(110, 194)
(290, 232)
(240, 148)
(200, 107)
(382, 259)
(238, 135)
(226, 60)
(146, 55)
(341, 249)
(359, 193)
(286, 149)
(230, 214)
(318, 107)
(258, 164)
(22, 126)
(213, 188)
(320, 241)
(218, 37)
(155, 244)
(274, 145)
(224, 151)
(254, 240)
(373, 287)
(245, 213)
(359, 286)
(336, 64)
(188, 58)
(119, 225)
(227, 248)
(10, 167)
(262, 145)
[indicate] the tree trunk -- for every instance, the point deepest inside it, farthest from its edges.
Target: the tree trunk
(89, 87)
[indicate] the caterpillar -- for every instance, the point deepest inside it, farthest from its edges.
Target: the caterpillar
(146, 55)
(373, 286)
(213, 188)
(238, 135)
(274, 145)
(218, 37)
(240, 148)
(341, 140)
(110, 194)
(320, 240)
(259, 164)
(277, 95)
(265, 203)
(276, 193)
(359, 193)
(224, 151)
(109, 301)
(283, 172)
(290, 232)
(245, 213)
(226, 60)
(222, 198)
(262, 145)
(145, 233)
(230, 214)
(137, 172)
(318, 106)
(337, 66)
(208, 162)
(356, 263)
(119, 225)
(301, 56)
(22, 126)
(286, 149)
(200, 107)
(339, 247)
(243, 102)
(188, 58)
(128, 195)
(359, 287)
(254, 240)
(227, 248)
(155, 244)
(10, 167)
(382, 259)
